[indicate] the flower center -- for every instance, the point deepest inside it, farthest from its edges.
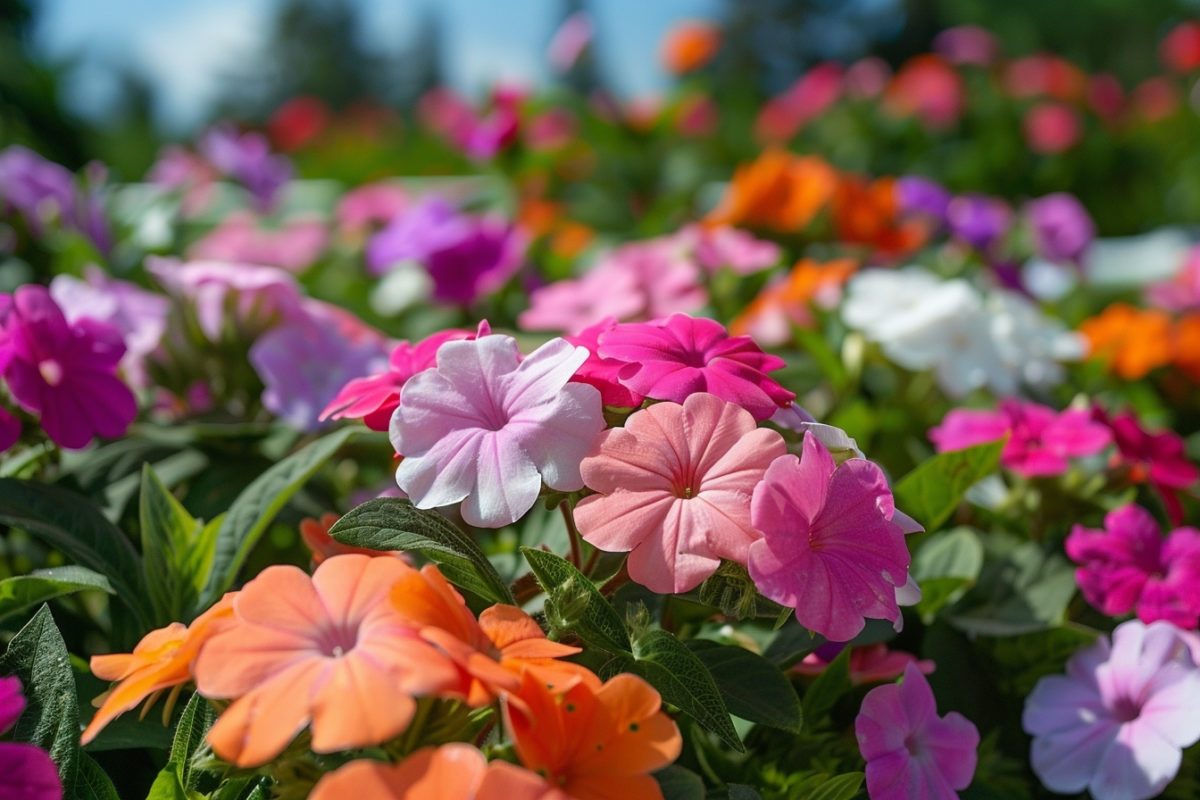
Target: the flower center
(1126, 709)
(337, 642)
(51, 371)
(914, 746)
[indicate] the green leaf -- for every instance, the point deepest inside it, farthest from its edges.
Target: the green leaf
(68, 522)
(840, 787)
(731, 589)
(932, 491)
(683, 681)
(828, 688)
(38, 656)
(168, 558)
(167, 786)
(679, 783)
(791, 644)
(25, 591)
(946, 566)
(734, 791)
(91, 782)
(197, 717)
(753, 688)
(387, 523)
(574, 603)
(255, 508)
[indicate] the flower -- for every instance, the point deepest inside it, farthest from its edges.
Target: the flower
(1156, 458)
(911, 752)
(1040, 440)
(673, 487)
(830, 547)
(247, 158)
(1182, 291)
(928, 88)
(721, 246)
(594, 743)
(867, 213)
(485, 428)
(43, 192)
(978, 220)
(373, 204)
(10, 429)
(240, 237)
(570, 41)
(967, 44)
(1180, 48)
(1129, 565)
(672, 359)
(1052, 128)
(1116, 722)
(1062, 228)
(65, 372)
(805, 100)
(162, 660)
(779, 191)
(26, 771)
(245, 297)
(1131, 341)
(327, 652)
(454, 771)
(603, 372)
(769, 318)
(298, 122)
(690, 45)
(922, 197)
(872, 663)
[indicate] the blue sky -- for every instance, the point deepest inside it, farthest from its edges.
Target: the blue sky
(182, 45)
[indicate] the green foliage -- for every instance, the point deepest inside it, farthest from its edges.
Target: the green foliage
(573, 603)
(178, 777)
(176, 550)
(25, 591)
(678, 783)
(932, 491)
(946, 566)
(829, 687)
(753, 688)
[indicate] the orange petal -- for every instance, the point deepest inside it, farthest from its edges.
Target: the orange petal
(359, 705)
(352, 587)
(614, 787)
(451, 772)
(505, 781)
(506, 624)
(259, 725)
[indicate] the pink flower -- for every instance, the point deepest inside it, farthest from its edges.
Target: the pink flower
(569, 41)
(1129, 565)
(673, 489)
(245, 296)
(670, 360)
(602, 372)
(830, 547)
(1052, 128)
(26, 771)
(240, 238)
(728, 247)
(10, 429)
(1157, 458)
(485, 428)
(1181, 292)
(872, 663)
(911, 752)
(375, 204)
(1040, 440)
(65, 372)
(1116, 722)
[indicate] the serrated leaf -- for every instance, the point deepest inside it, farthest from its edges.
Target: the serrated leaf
(576, 604)
(25, 591)
(683, 681)
(168, 533)
(829, 687)
(197, 717)
(255, 508)
(388, 523)
(91, 782)
(932, 491)
(679, 783)
(753, 688)
(839, 787)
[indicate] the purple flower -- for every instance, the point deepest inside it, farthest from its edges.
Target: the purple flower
(978, 220)
(247, 159)
(922, 196)
(1116, 722)
(65, 372)
(967, 44)
(26, 771)
(1062, 228)
(10, 429)
(42, 191)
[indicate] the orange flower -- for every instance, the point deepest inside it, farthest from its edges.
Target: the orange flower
(594, 743)
(162, 660)
(1187, 345)
(770, 316)
(778, 191)
(451, 772)
(689, 46)
(315, 534)
(1131, 340)
(494, 651)
(868, 213)
(327, 650)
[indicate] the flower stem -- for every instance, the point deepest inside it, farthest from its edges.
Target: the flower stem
(573, 533)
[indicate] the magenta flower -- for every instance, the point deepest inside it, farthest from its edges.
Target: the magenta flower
(242, 296)
(374, 398)
(1040, 440)
(911, 752)
(64, 372)
(602, 372)
(1158, 458)
(871, 663)
(1129, 565)
(26, 771)
(1116, 722)
(830, 547)
(295, 245)
(10, 429)
(486, 428)
(672, 359)
(1062, 228)
(673, 489)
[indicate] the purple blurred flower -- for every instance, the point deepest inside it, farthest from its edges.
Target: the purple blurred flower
(42, 192)
(1062, 228)
(247, 158)
(251, 296)
(489, 135)
(26, 771)
(978, 220)
(10, 429)
(967, 44)
(917, 195)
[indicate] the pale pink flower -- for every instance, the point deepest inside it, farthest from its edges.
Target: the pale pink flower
(241, 237)
(728, 247)
(485, 428)
(365, 207)
(673, 489)
(1181, 292)
(569, 41)
(246, 297)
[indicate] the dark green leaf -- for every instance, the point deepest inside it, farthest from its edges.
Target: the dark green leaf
(387, 523)
(946, 566)
(734, 791)
(754, 688)
(828, 688)
(683, 681)
(840, 787)
(197, 717)
(168, 532)
(932, 491)
(91, 782)
(25, 591)
(731, 590)
(171, 471)
(678, 783)
(255, 508)
(574, 603)
(791, 644)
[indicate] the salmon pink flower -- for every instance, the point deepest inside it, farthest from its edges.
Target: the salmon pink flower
(594, 743)
(485, 428)
(832, 546)
(1130, 566)
(26, 771)
(673, 359)
(911, 752)
(673, 489)
(1115, 724)
(326, 651)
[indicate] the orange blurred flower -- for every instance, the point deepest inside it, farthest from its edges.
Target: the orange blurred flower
(315, 534)
(771, 315)
(1133, 341)
(594, 743)
(454, 771)
(1187, 345)
(867, 212)
(492, 652)
(162, 660)
(327, 650)
(689, 46)
(778, 191)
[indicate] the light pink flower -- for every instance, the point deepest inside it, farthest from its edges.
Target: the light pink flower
(365, 207)
(1182, 291)
(673, 489)
(602, 372)
(1040, 440)
(569, 41)
(911, 752)
(728, 247)
(241, 237)
(1116, 722)
(1130, 566)
(485, 428)
(830, 547)
(672, 359)
(245, 296)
